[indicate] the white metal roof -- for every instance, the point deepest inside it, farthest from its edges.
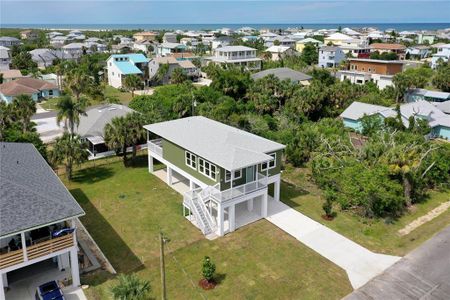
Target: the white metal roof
(226, 146)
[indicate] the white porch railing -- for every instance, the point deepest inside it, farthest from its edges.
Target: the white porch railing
(234, 192)
(156, 146)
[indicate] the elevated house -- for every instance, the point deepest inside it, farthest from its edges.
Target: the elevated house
(121, 65)
(5, 58)
(37, 218)
(381, 72)
(36, 88)
(438, 121)
(226, 175)
(330, 56)
(240, 56)
(441, 56)
(418, 52)
(381, 48)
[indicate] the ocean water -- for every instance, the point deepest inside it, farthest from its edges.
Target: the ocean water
(380, 26)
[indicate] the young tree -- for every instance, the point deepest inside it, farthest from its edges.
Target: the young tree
(310, 55)
(69, 150)
(131, 287)
(116, 135)
(23, 108)
(441, 78)
(70, 111)
(208, 269)
(132, 82)
(135, 122)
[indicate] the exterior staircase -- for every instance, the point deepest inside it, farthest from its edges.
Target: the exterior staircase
(195, 200)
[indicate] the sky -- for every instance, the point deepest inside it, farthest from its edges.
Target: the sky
(222, 11)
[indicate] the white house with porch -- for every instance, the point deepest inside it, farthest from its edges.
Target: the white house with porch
(226, 175)
(37, 217)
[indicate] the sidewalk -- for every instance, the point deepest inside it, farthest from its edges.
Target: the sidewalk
(360, 264)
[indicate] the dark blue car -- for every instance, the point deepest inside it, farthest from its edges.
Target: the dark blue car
(49, 291)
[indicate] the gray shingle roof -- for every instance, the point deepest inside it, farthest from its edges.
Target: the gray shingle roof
(31, 194)
(283, 73)
(226, 146)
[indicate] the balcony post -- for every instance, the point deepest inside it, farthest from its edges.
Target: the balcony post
(276, 193)
(2, 290)
(150, 162)
(74, 267)
(220, 220)
(232, 219)
(24, 246)
(264, 206)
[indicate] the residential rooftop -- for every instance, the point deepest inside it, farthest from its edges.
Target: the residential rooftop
(282, 74)
(25, 85)
(226, 146)
(31, 193)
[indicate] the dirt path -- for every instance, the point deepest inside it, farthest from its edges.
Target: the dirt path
(424, 219)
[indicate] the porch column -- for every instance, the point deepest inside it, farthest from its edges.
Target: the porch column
(276, 192)
(250, 205)
(232, 217)
(191, 185)
(220, 218)
(74, 267)
(169, 176)
(150, 163)
(2, 289)
(264, 206)
(5, 280)
(24, 246)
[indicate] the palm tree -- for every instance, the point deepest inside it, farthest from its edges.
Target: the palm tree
(178, 76)
(135, 122)
(23, 108)
(132, 82)
(5, 117)
(162, 72)
(116, 136)
(78, 82)
(68, 150)
(70, 110)
(130, 287)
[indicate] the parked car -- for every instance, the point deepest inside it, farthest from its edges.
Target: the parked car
(49, 291)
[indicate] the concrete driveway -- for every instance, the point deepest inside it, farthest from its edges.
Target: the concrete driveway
(360, 264)
(422, 274)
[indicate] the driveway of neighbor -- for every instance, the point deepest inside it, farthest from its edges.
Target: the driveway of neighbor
(423, 273)
(360, 264)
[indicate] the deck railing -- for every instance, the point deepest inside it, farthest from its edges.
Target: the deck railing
(240, 190)
(156, 146)
(36, 251)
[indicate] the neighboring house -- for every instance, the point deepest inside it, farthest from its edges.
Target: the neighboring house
(227, 175)
(29, 35)
(7, 41)
(121, 65)
(415, 95)
(237, 56)
(246, 30)
(281, 41)
(53, 34)
(300, 45)
(35, 208)
(330, 56)
(170, 37)
(340, 39)
(279, 52)
(10, 75)
(418, 52)
(167, 48)
(381, 72)
(45, 57)
(188, 68)
(283, 74)
(221, 41)
(426, 38)
(438, 121)
(381, 48)
(442, 55)
(36, 88)
(143, 46)
(74, 50)
(92, 125)
(5, 58)
(145, 36)
(58, 41)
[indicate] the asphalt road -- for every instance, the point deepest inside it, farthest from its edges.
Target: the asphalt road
(424, 273)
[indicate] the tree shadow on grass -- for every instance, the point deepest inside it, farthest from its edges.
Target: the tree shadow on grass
(290, 192)
(219, 278)
(92, 175)
(115, 249)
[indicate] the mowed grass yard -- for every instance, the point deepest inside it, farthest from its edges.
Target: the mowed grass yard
(378, 235)
(127, 207)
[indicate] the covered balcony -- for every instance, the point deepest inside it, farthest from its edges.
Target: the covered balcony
(36, 243)
(155, 146)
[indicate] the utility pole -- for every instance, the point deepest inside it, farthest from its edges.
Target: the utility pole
(162, 266)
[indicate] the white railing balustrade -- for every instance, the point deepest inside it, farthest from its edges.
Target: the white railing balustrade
(156, 146)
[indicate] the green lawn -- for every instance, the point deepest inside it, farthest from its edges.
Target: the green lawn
(50, 104)
(126, 208)
(124, 97)
(376, 234)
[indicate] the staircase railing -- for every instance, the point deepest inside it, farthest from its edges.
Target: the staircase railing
(195, 199)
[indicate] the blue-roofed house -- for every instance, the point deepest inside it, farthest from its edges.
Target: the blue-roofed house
(121, 65)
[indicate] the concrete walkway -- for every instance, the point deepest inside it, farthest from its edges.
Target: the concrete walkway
(360, 264)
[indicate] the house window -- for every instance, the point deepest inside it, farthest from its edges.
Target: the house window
(271, 164)
(50, 92)
(191, 160)
(237, 175)
(207, 168)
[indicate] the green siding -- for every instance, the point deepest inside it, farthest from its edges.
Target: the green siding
(175, 154)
